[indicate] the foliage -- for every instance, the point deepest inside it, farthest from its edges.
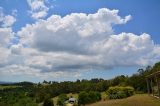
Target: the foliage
(119, 92)
(88, 97)
(48, 102)
(61, 99)
(28, 92)
(17, 96)
(7, 87)
(83, 98)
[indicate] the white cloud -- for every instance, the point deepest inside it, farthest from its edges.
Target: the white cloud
(78, 42)
(73, 33)
(6, 20)
(126, 49)
(38, 8)
(83, 41)
(5, 36)
(16, 49)
(33, 63)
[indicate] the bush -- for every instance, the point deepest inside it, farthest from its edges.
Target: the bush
(83, 98)
(48, 102)
(98, 96)
(129, 91)
(119, 92)
(88, 97)
(61, 99)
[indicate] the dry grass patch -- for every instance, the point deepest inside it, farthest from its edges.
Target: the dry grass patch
(136, 100)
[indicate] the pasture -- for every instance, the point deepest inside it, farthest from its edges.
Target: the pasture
(136, 100)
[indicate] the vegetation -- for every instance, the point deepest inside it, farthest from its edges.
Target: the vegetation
(88, 97)
(31, 94)
(55, 99)
(17, 96)
(7, 87)
(61, 99)
(119, 92)
(48, 102)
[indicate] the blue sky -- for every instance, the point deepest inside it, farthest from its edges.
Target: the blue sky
(43, 39)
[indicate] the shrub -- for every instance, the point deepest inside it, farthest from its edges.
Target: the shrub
(48, 102)
(92, 97)
(83, 98)
(118, 92)
(98, 96)
(61, 99)
(88, 97)
(129, 91)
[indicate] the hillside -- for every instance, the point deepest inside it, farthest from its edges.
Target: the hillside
(136, 100)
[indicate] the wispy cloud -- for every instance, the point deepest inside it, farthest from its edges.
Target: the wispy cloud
(14, 12)
(6, 20)
(38, 8)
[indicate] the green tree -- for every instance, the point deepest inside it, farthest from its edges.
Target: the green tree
(83, 98)
(48, 102)
(92, 97)
(61, 99)
(88, 97)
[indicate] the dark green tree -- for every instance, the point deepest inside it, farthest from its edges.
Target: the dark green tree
(48, 102)
(61, 99)
(83, 98)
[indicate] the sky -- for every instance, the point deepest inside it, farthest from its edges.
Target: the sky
(61, 40)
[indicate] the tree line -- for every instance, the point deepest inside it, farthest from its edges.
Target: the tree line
(37, 93)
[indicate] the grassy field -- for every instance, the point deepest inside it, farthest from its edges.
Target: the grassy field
(136, 100)
(5, 87)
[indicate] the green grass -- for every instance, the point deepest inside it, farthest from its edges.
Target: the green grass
(6, 87)
(136, 100)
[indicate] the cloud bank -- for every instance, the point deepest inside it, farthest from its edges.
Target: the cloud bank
(77, 42)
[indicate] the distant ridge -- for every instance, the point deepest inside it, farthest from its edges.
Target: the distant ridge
(23, 83)
(5, 82)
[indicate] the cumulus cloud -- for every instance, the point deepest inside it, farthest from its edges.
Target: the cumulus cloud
(125, 49)
(83, 41)
(5, 36)
(77, 43)
(16, 49)
(38, 8)
(6, 20)
(73, 33)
